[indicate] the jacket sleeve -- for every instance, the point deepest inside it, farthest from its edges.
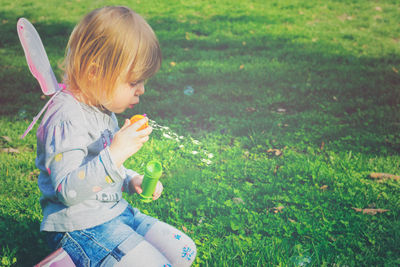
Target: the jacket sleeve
(129, 175)
(74, 175)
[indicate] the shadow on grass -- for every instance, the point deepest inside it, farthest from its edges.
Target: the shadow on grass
(23, 236)
(322, 96)
(326, 93)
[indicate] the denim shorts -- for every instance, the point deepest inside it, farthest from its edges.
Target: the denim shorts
(105, 244)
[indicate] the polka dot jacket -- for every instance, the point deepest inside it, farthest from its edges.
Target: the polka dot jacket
(81, 186)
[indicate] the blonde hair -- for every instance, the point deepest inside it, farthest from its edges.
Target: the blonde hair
(110, 44)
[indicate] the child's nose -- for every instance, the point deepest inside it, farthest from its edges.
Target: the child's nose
(140, 89)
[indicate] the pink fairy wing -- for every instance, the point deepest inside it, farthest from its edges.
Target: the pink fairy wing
(38, 63)
(36, 57)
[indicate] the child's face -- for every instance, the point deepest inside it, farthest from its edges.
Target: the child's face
(126, 96)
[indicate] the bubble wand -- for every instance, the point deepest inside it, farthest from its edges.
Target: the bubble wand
(152, 174)
(152, 171)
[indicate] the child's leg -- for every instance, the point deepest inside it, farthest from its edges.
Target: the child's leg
(176, 246)
(135, 251)
(143, 255)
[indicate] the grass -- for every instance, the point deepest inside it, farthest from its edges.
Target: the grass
(295, 103)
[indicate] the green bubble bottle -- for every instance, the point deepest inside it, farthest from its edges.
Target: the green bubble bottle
(152, 173)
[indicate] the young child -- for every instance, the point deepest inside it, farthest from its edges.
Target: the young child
(81, 150)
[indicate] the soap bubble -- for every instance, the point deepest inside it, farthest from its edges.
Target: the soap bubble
(22, 114)
(301, 261)
(188, 90)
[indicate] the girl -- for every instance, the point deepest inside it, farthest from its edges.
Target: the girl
(81, 150)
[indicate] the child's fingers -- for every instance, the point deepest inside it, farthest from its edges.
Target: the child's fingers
(138, 189)
(133, 129)
(144, 139)
(126, 124)
(145, 132)
(158, 191)
(139, 123)
(137, 184)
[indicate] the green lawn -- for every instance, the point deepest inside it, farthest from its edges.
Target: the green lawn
(268, 162)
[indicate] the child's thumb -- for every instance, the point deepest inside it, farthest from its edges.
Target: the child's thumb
(138, 189)
(126, 124)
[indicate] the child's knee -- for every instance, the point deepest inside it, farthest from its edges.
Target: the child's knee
(189, 251)
(179, 248)
(183, 251)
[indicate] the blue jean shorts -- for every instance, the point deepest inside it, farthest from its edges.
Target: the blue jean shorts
(105, 244)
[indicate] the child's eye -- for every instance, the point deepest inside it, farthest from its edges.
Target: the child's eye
(133, 84)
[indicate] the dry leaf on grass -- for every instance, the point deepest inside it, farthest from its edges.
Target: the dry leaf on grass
(370, 211)
(186, 230)
(381, 175)
(345, 17)
(33, 175)
(238, 200)
(322, 145)
(10, 150)
(7, 138)
(278, 209)
(251, 109)
(324, 187)
(274, 150)
(276, 169)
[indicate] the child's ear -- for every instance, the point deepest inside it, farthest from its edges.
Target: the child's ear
(93, 71)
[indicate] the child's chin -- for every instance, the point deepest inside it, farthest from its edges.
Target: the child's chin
(118, 111)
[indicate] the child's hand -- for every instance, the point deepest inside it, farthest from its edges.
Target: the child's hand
(127, 141)
(135, 185)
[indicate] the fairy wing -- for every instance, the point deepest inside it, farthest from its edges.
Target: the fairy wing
(36, 57)
(38, 63)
